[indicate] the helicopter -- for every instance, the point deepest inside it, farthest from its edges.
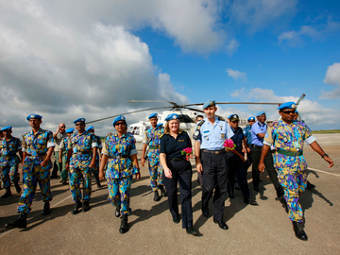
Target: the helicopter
(186, 112)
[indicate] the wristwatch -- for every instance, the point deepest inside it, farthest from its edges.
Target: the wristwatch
(324, 155)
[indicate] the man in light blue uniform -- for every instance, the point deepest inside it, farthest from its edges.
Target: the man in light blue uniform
(211, 161)
(258, 132)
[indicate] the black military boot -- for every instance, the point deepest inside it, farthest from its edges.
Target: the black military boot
(124, 227)
(163, 192)
(221, 224)
(77, 207)
(299, 232)
(7, 194)
(98, 181)
(20, 222)
(86, 205)
(156, 196)
(17, 187)
(117, 212)
(47, 209)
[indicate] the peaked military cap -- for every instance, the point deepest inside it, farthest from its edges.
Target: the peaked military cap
(6, 128)
(208, 104)
(172, 116)
(233, 117)
(34, 116)
(79, 120)
(118, 118)
(287, 105)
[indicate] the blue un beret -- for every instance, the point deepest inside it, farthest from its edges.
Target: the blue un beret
(172, 116)
(69, 130)
(260, 113)
(6, 128)
(118, 118)
(209, 103)
(153, 115)
(79, 120)
(287, 105)
(34, 116)
(251, 118)
(90, 128)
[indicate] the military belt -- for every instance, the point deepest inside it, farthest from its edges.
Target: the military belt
(154, 147)
(119, 156)
(214, 151)
(289, 153)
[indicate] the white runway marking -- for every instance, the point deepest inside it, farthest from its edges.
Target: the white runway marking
(52, 206)
(324, 172)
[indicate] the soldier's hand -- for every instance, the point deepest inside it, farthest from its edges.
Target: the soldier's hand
(199, 167)
(138, 176)
(101, 176)
(329, 161)
(142, 162)
(167, 173)
(261, 167)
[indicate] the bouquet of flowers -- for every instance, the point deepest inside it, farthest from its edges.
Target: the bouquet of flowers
(229, 145)
(187, 153)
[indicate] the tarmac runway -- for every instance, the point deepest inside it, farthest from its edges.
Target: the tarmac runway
(264, 229)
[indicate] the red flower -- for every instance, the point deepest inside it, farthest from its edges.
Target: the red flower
(229, 145)
(187, 152)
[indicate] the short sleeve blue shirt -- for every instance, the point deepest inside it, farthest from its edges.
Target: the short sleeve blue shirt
(258, 128)
(213, 135)
(247, 133)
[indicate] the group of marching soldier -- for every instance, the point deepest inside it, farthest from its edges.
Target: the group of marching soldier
(167, 149)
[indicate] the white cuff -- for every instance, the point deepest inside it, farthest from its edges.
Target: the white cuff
(266, 143)
(50, 144)
(94, 145)
(310, 139)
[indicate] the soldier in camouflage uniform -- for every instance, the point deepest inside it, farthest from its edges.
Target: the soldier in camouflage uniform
(288, 137)
(37, 147)
(9, 160)
(63, 153)
(95, 170)
(81, 158)
(152, 138)
(120, 155)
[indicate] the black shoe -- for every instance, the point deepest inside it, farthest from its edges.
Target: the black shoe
(205, 212)
(86, 205)
(192, 231)
(163, 192)
(124, 227)
(176, 219)
(250, 202)
(156, 196)
(20, 222)
(299, 232)
(7, 194)
(77, 207)
(221, 224)
(98, 182)
(117, 212)
(47, 209)
(17, 187)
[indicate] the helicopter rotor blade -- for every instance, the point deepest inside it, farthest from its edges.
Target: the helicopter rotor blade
(126, 113)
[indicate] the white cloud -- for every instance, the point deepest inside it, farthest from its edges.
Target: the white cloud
(236, 75)
(332, 78)
(232, 46)
(260, 13)
(67, 62)
(315, 114)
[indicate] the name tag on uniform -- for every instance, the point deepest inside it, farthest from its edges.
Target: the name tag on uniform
(222, 135)
(180, 140)
(206, 131)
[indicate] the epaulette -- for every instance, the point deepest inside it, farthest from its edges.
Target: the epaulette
(197, 131)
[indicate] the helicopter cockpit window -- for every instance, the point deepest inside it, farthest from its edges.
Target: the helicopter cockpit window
(185, 118)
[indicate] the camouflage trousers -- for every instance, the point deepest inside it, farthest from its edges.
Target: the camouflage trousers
(9, 174)
(33, 174)
(76, 176)
(156, 173)
(119, 192)
(293, 182)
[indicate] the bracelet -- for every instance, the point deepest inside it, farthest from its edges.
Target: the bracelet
(324, 155)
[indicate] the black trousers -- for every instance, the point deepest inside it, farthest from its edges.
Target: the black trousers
(269, 164)
(181, 172)
(238, 169)
(214, 178)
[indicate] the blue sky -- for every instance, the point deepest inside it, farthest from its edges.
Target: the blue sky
(66, 59)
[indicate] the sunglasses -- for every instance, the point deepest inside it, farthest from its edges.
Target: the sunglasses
(289, 112)
(120, 123)
(79, 124)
